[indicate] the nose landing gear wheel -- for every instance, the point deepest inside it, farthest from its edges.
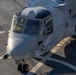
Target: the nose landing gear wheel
(23, 67)
(20, 67)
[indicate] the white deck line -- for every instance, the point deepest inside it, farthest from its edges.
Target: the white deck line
(2, 32)
(61, 62)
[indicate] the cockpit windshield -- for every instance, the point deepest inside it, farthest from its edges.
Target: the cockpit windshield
(33, 27)
(18, 25)
(29, 26)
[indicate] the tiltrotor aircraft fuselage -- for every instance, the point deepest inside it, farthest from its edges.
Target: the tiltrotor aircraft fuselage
(38, 27)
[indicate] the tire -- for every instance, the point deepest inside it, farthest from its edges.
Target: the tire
(20, 67)
(25, 68)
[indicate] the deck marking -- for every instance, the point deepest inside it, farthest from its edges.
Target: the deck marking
(0, 58)
(1, 32)
(61, 62)
(54, 50)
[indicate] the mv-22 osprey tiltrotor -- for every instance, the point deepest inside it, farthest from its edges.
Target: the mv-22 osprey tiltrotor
(38, 27)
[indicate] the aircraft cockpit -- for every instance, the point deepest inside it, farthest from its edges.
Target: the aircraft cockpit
(27, 26)
(40, 25)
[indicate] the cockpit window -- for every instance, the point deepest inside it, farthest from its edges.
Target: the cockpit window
(48, 25)
(29, 26)
(48, 21)
(18, 25)
(33, 27)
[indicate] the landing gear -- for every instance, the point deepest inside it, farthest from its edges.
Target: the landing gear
(25, 67)
(22, 66)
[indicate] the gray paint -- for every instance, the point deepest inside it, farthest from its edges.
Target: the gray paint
(63, 14)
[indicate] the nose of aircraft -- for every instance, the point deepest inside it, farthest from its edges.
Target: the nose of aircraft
(21, 46)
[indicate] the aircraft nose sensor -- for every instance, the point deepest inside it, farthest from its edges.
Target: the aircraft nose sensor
(5, 56)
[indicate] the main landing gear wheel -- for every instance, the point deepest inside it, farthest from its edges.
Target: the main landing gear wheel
(23, 67)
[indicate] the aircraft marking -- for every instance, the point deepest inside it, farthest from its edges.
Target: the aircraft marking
(54, 50)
